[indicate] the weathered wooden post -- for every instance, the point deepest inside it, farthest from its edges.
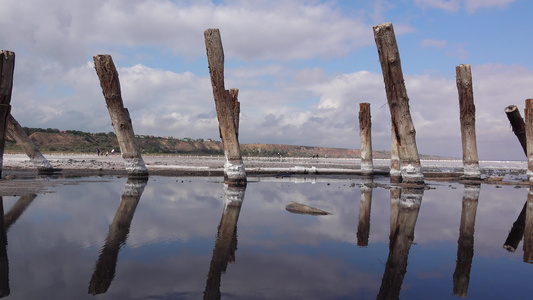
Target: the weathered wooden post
(36, 157)
(402, 123)
(105, 268)
(468, 121)
(529, 138)
(363, 228)
(234, 171)
(7, 68)
(236, 105)
(226, 242)
(395, 173)
(365, 133)
(518, 125)
(120, 117)
(465, 244)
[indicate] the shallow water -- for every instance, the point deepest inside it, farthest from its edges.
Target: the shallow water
(120, 240)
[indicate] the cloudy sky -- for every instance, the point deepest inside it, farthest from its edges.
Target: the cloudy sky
(302, 67)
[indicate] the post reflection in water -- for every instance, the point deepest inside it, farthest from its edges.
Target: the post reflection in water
(465, 244)
(363, 229)
(528, 229)
(118, 232)
(517, 231)
(9, 219)
(4, 262)
(18, 208)
(401, 238)
(226, 242)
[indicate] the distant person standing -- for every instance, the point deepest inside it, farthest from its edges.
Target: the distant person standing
(98, 151)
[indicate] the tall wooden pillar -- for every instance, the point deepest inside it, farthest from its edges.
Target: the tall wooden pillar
(468, 121)
(529, 138)
(402, 123)
(7, 68)
(120, 117)
(234, 172)
(365, 133)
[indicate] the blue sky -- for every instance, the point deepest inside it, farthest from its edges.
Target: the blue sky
(302, 67)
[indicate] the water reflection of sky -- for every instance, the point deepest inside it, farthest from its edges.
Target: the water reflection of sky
(55, 244)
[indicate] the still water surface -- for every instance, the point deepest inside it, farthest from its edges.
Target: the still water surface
(107, 238)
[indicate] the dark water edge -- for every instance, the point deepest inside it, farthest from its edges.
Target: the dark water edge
(190, 237)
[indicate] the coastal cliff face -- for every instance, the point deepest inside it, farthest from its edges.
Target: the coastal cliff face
(82, 142)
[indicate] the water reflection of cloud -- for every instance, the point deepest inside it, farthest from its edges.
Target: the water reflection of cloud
(57, 239)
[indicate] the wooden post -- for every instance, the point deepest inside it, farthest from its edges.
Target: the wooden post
(465, 244)
(529, 138)
(363, 228)
(236, 105)
(234, 171)
(402, 123)
(105, 268)
(4, 261)
(36, 157)
(401, 239)
(395, 173)
(120, 117)
(226, 242)
(468, 121)
(518, 125)
(365, 133)
(7, 68)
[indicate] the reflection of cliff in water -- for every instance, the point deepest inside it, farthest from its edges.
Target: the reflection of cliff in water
(401, 238)
(465, 244)
(104, 271)
(226, 242)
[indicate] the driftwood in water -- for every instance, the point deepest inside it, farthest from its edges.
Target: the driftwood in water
(402, 123)
(298, 208)
(363, 228)
(7, 68)
(465, 244)
(36, 157)
(234, 172)
(226, 242)
(468, 121)
(529, 138)
(120, 117)
(518, 125)
(105, 268)
(365, 134)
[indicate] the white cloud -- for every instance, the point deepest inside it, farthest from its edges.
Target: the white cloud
(473, 5)
(431, 43)
(449, 5)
